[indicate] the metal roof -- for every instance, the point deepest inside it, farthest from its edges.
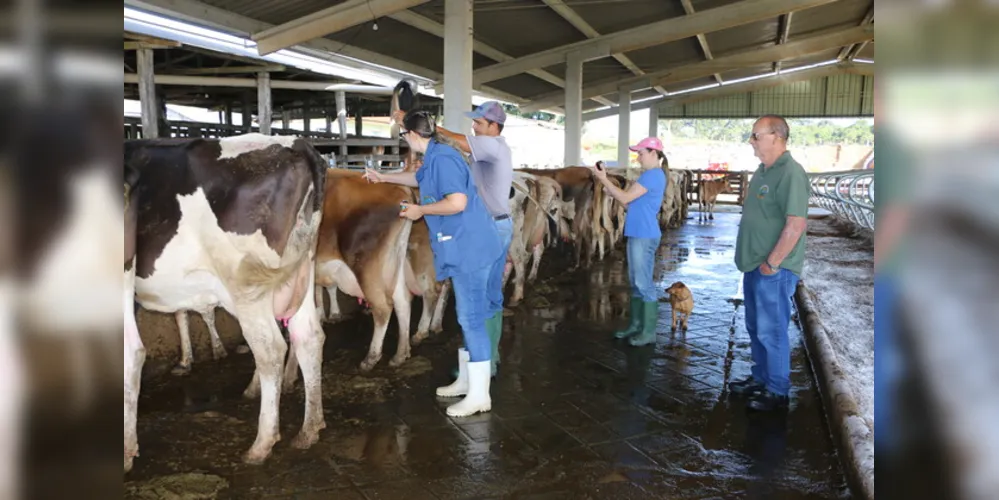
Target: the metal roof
(405, 39)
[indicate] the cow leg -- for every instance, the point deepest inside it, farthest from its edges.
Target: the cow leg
(218, 349)
(307, 340)
(520, 265)
(135, 357)
(12, 374)
(437, 325)
(252, 391)
(320, 303)
(269, 349)
(290, 367)
(186, 353)
(334, 314)
(427, 316)
(539, 250)
(381, 313)
(401, 299)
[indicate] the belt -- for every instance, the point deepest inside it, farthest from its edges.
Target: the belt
(501, 217)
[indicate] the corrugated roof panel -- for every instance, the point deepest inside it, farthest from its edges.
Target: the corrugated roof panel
(397, 40)
(523, 83)
(672, 54)
(748, 36)
(609, 17)
(520, 31)
(842, 12)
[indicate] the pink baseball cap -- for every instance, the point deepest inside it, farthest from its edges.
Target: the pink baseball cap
(648, 143)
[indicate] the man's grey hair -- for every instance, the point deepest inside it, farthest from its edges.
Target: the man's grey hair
(778, 125)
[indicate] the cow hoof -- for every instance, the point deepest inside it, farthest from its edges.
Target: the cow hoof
(243, 349)
(288, 387)
(181, 371)
(305, 439)
(219, 353)
(398, 361)
(129, 459)
(369, 364)
(252, 392)
(419, 338)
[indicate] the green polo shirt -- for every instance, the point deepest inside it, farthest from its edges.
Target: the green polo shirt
(774, 194)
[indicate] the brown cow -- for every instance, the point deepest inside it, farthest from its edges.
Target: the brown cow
(362, 251)
(708, 192)
(579, 196)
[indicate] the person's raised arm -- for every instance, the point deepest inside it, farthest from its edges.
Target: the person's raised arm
(625, 197)
(402, 178)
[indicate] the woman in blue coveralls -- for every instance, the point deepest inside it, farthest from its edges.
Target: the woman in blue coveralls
(465, 245)
(641, 227)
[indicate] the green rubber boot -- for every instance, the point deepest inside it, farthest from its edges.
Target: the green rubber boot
(651, 320)
(636, 320)
(495, 327)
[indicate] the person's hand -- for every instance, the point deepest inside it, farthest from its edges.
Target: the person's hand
(398, 116)
(765, 270)
(411, 212)
(373, 176)
(599, 172)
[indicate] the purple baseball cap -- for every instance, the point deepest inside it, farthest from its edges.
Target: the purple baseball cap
(490, 110)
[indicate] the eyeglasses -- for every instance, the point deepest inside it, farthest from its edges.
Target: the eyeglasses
(755, 136)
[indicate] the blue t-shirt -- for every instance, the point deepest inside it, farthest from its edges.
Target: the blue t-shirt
(642, 220)
(463, 242)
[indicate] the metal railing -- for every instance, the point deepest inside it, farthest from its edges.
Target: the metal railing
(848, 194)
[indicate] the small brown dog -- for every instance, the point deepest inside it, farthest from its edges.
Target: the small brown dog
(682, 301)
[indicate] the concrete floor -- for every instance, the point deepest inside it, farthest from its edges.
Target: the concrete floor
(576, 414)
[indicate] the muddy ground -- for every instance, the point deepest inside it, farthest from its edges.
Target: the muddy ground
(576, 414)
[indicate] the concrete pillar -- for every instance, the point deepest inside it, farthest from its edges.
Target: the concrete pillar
(624, 127)
(573, 109)
(147, 94)
(285, 119)
(457, 64)
(654, 121)
(264, 102)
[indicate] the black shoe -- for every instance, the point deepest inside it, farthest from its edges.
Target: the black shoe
(768, 401)
(748, 386)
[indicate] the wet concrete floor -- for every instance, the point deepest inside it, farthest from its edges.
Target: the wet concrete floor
(576, 414)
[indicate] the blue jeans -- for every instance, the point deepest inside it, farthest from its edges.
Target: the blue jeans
(641, 266)
(886, 359)
(505, 230)
(472, 301)
(768, 316)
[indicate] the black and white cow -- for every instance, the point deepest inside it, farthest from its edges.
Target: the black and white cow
(232, 222)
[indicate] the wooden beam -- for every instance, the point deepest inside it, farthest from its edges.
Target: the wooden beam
(146, 45)
(785, 31)
(264, 111)
(796, 48)
(329, 20)
(584, 27)
(435, 28)
(147, 94)
(229, 22)
(702, 40)
(657, 33)
(844, 54)
(231, 70)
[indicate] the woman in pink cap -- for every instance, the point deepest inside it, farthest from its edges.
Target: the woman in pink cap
(641, 227)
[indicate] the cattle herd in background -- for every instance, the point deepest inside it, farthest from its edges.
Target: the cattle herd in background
(261, 227)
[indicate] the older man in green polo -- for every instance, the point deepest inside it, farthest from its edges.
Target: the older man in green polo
(770, 251)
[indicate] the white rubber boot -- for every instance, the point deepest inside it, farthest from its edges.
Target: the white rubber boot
(460, 387)
(478, 399)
